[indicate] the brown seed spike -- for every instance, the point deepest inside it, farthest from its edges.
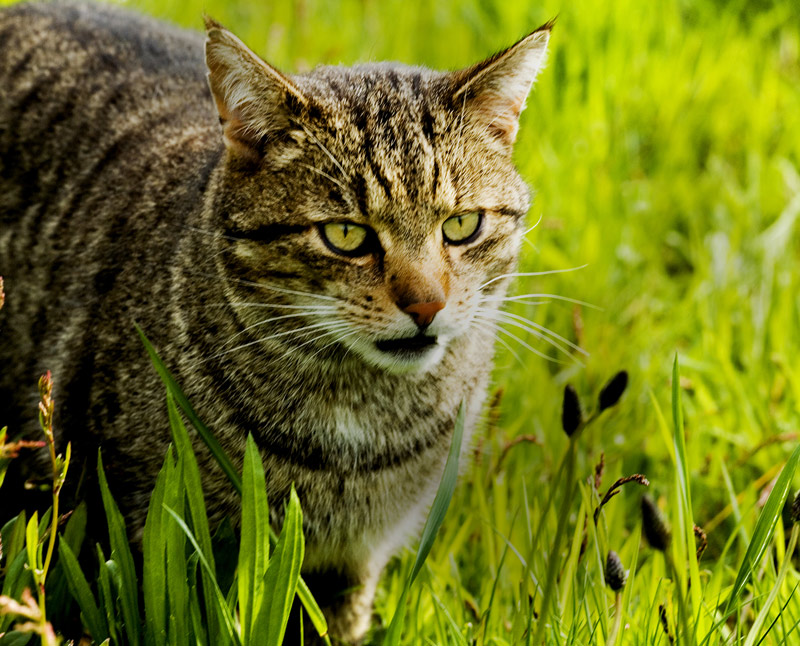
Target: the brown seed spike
(795, 513)
(613, 390)
(655, 525)
(571, 414)
(615, 574)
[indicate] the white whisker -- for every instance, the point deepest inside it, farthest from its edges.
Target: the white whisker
(522, 297)
(521, 342)
(541, 215)
(326, 151)
(531, 273)
(265, 321)
(306, 328)
(543, 329)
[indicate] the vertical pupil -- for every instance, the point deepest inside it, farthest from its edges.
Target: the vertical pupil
(460, 225)
(344, 230)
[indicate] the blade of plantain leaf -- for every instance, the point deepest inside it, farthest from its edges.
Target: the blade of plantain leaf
(79, 587)
(765, 528)
(177, 584)
(254, 543)
(306, 598)
(230, 629)
(434, 521)
(154, 548)
(280, 581)
(193, 486)
(105, 597)
(121, 555)
(202, 430)
(13, 536)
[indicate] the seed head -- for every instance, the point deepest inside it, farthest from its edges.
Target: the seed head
(613, 390)
(2, 293)
(795, 513)
(571, 413)
(655, 525)
(616, 576)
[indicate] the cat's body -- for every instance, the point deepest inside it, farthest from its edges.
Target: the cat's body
(120, 202)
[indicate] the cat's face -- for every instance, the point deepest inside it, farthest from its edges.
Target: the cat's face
(373, 210)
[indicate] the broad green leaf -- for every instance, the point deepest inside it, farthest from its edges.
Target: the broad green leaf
(16, 638)
(203, 431)
(177, 584)
(765, 528)
(105, 591)
(434, 521)
(228, 619)
(82, 593)
(193, 487)
(32, 545)
(310, 605)
(280, 581)
(121, 555)
(18, 577)
(254, 541)
(154, 571)
(13, 536)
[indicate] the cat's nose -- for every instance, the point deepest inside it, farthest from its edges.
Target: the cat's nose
(424, 313)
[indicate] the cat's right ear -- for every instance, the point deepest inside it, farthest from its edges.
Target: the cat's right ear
(254, 100)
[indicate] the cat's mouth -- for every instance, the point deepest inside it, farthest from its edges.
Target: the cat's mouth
(410, 345)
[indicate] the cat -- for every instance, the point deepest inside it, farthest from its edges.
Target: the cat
(317, 257)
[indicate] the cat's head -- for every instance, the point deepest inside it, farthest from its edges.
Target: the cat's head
(374, 208)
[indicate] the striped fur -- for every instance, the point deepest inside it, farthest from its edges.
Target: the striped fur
(122, 199)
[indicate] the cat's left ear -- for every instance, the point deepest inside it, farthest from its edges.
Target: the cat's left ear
(493, 92)
(254, 100)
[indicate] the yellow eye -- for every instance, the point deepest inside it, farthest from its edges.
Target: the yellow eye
(461, 229)
(345, 237)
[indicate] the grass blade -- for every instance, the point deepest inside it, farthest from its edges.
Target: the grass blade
(434, 521)
(254, 544)
(154, 572)
(202, 430)
(765, 528)
(79, 587)
(281, 577)
(193, 488)
(121, 554)
(231, 635)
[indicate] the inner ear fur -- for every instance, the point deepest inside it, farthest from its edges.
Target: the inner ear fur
(493, 92)
(255, 101)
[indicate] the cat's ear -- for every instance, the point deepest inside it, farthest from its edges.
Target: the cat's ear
(492, 93)
(254, 100)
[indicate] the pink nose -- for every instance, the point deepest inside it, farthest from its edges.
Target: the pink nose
(424, 313)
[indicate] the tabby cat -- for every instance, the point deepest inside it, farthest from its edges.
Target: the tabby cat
(317, 257)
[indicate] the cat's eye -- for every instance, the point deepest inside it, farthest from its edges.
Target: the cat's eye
(346, 238)
(461, 229)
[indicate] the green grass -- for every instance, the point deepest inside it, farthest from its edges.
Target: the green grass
(663, 141)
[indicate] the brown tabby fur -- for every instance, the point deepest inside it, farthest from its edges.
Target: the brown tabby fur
(122, 199)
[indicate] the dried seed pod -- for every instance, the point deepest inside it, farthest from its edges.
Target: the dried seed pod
(655, 525)
(795, 513)
(616, 576)
(613, 390)
(571, 413)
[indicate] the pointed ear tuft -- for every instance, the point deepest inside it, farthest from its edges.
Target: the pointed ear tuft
(493, 92)
(252, 97)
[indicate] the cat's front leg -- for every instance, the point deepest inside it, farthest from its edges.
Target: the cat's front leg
(345, 598)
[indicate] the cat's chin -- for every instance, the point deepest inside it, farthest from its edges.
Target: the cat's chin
(419, 355)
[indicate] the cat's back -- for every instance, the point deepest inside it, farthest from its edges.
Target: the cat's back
(90, 69)
(106, 124)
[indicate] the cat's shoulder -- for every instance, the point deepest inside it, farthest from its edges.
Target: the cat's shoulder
(77, 29)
